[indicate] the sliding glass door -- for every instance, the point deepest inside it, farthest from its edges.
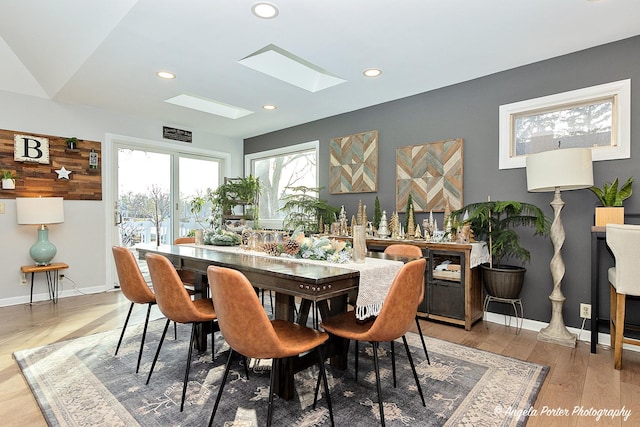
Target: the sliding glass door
(154, 191)
(150, 193)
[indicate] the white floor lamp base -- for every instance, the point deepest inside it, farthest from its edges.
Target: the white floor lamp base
(548, 337)
(557, 332)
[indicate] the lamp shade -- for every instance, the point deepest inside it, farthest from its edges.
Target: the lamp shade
(39, 210)
(563, 168)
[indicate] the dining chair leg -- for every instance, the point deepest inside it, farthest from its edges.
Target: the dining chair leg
(413, 368)
(155, 359)
(620, 314)
(424, 346)
(376, 366)
(224, 380)
(144, 334)
(323, 374)
(272, 384)
(393, 363)
(246, 366)
(188, 368)
(124, 328)
(175, 331)
(356, 361)
(213, 343)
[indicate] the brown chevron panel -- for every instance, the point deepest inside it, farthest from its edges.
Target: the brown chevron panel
(432, 173)
(353, 163)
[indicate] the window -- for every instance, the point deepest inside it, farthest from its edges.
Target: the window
(279, 171)
(597, 117)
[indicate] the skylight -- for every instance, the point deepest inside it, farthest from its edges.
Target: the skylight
(277, 62)
(209, 106)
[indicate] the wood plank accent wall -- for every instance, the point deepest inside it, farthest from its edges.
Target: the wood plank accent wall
(35, 179)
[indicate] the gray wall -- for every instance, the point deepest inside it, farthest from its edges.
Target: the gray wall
(470, 111)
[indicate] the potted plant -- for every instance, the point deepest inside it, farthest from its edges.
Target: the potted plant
(305, 211)
(496, 222)
(8, 180)
(72, 143)
(611, 198)
(234, 192)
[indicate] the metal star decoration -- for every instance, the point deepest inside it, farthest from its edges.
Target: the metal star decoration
(63, 173)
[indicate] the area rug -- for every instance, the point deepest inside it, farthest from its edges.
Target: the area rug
(80, 383)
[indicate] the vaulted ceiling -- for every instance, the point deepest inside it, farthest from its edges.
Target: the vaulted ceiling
(106, 54)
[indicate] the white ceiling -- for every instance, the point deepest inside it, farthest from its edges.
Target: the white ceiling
(106, 53)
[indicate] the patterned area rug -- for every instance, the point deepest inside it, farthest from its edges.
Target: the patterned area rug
(80, 383)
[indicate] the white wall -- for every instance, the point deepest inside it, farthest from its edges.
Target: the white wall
(81, 239)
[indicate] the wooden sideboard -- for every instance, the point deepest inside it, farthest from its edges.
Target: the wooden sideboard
(450, 296)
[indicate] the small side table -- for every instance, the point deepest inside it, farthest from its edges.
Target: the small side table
(51, 272)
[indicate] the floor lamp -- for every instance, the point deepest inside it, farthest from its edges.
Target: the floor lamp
(558, 170)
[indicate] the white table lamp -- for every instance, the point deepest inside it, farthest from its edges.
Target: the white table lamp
(41, 211)
(558, 170)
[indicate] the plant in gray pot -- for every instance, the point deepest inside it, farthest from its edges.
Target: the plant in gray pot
(496, 223)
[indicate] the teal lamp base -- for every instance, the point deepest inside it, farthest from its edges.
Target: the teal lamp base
(43, 251)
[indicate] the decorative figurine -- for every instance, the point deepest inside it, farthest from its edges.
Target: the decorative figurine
(411, 227)
(394, 226)
(383, 232)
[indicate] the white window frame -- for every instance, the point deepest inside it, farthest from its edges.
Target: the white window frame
(620, 129)
(277, 152)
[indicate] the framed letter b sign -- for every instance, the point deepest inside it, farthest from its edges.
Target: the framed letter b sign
(31, 149)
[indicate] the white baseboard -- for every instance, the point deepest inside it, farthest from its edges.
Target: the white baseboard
(534, 325)
(44, 296)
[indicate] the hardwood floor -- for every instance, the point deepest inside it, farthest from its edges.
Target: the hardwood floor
(576, 377)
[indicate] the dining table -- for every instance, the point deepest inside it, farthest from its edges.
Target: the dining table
(314, 284)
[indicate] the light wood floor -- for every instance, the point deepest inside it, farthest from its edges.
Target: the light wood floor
(576, 378)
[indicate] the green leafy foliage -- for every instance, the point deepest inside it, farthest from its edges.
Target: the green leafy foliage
(609, 195)
(497, 221)
(304, 209)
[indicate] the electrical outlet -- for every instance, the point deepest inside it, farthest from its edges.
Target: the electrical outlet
(585, 311)
(61, 277)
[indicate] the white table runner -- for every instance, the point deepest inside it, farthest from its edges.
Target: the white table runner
(376, 276)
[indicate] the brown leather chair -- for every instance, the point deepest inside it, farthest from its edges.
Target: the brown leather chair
(401, 249)
(395, 318)
(188, 277)
(134, 288)
(249, 332)
(175, 303)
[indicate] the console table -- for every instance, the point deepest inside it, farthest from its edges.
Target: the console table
(51, 272)
(451, 297)
(598, 239)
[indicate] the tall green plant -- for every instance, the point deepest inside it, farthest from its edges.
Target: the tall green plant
(496, 222)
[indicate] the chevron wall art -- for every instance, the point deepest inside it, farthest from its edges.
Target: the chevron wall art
(431, 173)
(353, 163)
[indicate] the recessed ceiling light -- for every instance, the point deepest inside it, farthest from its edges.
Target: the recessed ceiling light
(269, 107)
(264, 10)
(165, 75)
(372, 72)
